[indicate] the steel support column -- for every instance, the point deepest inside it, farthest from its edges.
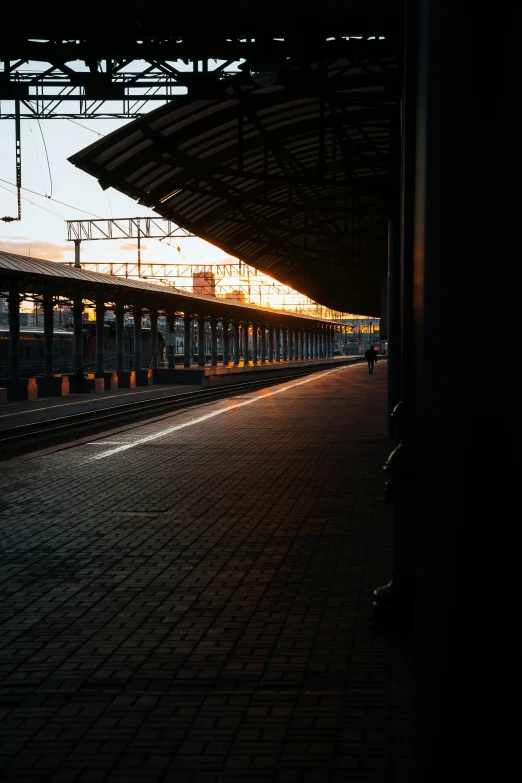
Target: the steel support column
(14, 332)
(226, 341)
(187, 340)
(245, 343)
(213, 342)
(237, 343)
(119, 313)
(48, 317)
(254, 343)
(201, 342)
(172, 333)
(285, 344)
(464, 466)
(99, 364)
(77, 310)
(138, 351)
(394, 324)
(263, 344)
(154, 339)
(270, 357)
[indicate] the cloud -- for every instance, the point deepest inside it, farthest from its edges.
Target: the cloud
(129, 246)
(49, 251)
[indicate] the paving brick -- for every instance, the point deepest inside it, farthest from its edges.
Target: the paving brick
(193, 609)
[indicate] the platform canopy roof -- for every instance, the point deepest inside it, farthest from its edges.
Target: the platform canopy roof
(297, 178)
(293, 170)
(35, 275)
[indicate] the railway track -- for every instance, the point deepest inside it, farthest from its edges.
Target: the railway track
(29, 438)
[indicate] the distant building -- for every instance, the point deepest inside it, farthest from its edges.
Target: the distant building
(235, 296)
(204, 283)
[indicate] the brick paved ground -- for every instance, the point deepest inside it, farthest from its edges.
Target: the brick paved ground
(193, 609)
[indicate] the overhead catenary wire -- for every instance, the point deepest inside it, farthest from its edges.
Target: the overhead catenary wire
(63, 203)
(84, 126)
(47, 156)
(37, 156)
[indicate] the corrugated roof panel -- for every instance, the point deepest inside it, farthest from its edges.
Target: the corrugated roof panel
(41, 269)
(294, 139)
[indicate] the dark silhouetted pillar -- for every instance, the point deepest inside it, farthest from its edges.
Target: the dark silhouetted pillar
(213, 342)
(154, 339)
(263, 343)
(187, 340)
(245, 342)
(237, 343)
(119, 313)
(201, 341)
(285, 344)
(394, 323)
(14, 333)
(48, 307)
(270, 356)
(138, 350)
(100, 337)
(226, 342)
(254, 343)
(77, 332)
(171, 336)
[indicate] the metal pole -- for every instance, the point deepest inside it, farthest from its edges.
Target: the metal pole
(139, 250)
(18, 158)
(172, 349)
(237, 344)
(78, 332)
(187, 341)
(120, 345)
(154, 339)
(254, 343)
(14, 333)
(138, 356)
(245, 343)
(226, 342)
(100, 338)
(213, 342)
(263, 343)
(201, 342)
(48, 333)
(77, 243)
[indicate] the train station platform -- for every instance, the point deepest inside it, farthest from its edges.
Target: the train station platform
(178, 380)
(20, 412)
(187, 601)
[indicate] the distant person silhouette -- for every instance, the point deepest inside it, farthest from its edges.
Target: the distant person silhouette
(370, 357)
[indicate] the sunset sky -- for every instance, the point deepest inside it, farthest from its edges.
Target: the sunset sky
(42, 231)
